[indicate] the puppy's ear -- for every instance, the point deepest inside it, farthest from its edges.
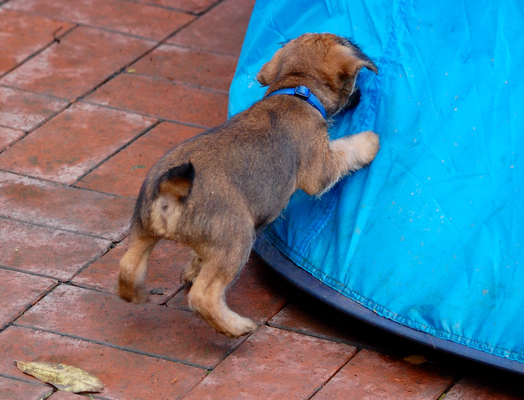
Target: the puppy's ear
(353, 60)
(269, 71)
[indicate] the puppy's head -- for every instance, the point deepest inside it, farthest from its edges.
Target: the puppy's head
(327, 62)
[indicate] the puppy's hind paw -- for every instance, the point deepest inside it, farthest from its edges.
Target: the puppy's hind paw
(242, 326)
(132, 294)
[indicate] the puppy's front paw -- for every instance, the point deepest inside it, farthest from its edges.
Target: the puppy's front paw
(367, 145)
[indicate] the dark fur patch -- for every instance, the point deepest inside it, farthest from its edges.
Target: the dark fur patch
(177, 181)
(354, 99)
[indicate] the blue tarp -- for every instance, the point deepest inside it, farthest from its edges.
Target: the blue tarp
(431, 235)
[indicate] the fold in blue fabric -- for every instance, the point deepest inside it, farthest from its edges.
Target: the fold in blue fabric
(431, 234)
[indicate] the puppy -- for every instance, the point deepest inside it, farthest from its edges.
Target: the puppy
(215, 190)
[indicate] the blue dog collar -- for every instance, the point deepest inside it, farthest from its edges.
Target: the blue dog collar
(305, 94)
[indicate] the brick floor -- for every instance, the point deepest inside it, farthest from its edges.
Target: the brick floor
(157, 98)
(221, 30)
(26, 111)
(92, 93)
(47, 251)
(14, 390)
(58, 151)
(23, 35)
(9, 136)
(166, 265)
(125, 17)
(186, 66)
(82, 60)
(124, 173)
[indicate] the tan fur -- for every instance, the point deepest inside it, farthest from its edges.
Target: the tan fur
(212, 192)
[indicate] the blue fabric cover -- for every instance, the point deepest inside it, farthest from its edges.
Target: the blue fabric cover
(431, 235)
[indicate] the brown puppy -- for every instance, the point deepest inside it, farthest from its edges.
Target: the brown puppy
(213, 191)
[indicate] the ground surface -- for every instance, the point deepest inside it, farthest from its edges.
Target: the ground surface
(92, 92)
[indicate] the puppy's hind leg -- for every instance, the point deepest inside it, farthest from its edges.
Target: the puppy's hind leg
(192, 271)
(133, 268)
(207, 295)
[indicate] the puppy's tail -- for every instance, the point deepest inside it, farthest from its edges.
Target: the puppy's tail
(173, 188)
(177, 182)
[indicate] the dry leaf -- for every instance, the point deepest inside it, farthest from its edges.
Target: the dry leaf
(415, 360)
(63, 377)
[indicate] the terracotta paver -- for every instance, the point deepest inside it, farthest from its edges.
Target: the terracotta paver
(181, 65)
(23, 35)
(310, 316)
(125, 17)
(125, 375)
(221, 30)
(56, 206)
(11, 389)
(59, 151)
(25, 111)
(46, 251)
(492, 386)
(165, 268)
(274, 364)
(81, 61)
(149, 328)
(124, 173)
(371, 375)
(259, 293)
(193, 6)
(61, 395)
(23, 291)
(162, 99)
(9, 136)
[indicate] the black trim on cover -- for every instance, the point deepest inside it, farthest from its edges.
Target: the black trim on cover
(311, 285)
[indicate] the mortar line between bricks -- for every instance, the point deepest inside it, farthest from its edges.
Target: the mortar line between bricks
(168, 299)
(114, 346)
(181, 83)
(23, 271)
(51, 96)
(15, 378)
(28, 132)
(95, 289)
(358, 346)
(91, 262)
(162, 119)
(118, 72)
(60, 229)
(64, 185)
(216, 53)
(201, 13)
(318, 389)
(198, 50)
(33, 55)
(84, 25)
(165, 7)
(105, 193)
(36, 382)
(134, 139)
(227, 354)
(31, 304)
(456, 379)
